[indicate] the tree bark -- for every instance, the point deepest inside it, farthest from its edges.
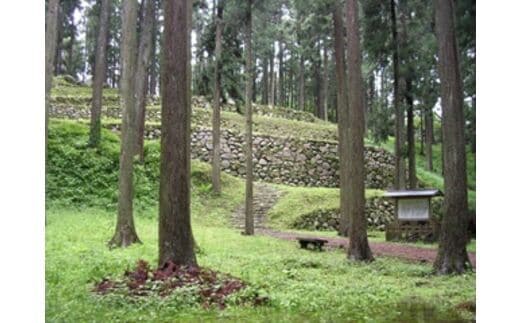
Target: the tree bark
(141, 75)
(281, 90)
(153, 70)
(125, 233)
(50, 50)
(318, 72)
(301, 84)
(176, 241)
(215, 174)
(272, 85)
(358, 248)
(99, 74)
(265, 80)
(325, 83)
(339, 52)
(452, 256)
(412, 177)
(59, 40)
(249, 225)
(428, 137)
(400, 152)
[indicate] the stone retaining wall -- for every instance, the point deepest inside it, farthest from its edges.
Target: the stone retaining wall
(379, 212)
(287, 160)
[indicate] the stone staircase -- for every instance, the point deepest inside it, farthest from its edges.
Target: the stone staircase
(264, 198)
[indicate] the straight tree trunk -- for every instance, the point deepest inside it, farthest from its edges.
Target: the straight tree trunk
(339, 52)
(125, 233)
(59, 40)
(400, 152)
(428, 137)
(281, 90)
(272, 78)
(452, 256)
(319, 88)
(265, 80)
(176, 241)
(412, 177)
(99, 74)
(153, 70)
(421, 125)
(141, 75)
(358, 248)
(301, 85)
(325, 83)
(215, 174)
(50, 50)
(70, 55)
(249, 225)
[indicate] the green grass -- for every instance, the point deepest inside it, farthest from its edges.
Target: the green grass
(296, 201)
(302, 285)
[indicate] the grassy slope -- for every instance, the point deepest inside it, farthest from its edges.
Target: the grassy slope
(297, 281)
(297, 129)
(296, 201)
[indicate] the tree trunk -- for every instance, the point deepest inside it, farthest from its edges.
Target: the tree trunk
(271, 79)
(318, 73)
(70, 55)
(265, 81)
(249, 125)
(339, 52)
(301, 85)
(59, 40)
(281, 95)
(215, 174)
(412, 177)
(99, 74)
(153, 70)
(428, 137)
(358, 248)
(371, 96)
(50, 50)
(421, 129)
(452, 256)
(400, 152)
(125, 234)
(176, 241)
(325, 83)
(141, 75)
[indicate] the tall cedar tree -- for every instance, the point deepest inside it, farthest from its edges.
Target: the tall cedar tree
(50, 49)
(339, 52)
(400, 177)
(215, 174)
(141, 74)
(410, 135)
(358, 248)
(125, 234)
(452, 256)
(99, 74)
(176, 241)
(249, 124)
(325, 82)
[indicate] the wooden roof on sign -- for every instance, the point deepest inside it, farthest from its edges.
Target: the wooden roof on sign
(427, 192)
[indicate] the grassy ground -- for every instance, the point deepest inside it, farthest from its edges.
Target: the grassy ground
(296, 201)
(302, 285)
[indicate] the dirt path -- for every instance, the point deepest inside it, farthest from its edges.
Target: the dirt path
(388, 249)
(265, 196)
